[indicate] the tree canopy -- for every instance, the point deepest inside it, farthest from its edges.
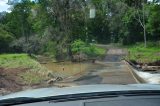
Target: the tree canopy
(51, 25)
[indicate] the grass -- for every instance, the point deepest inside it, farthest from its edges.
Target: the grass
(17, 61)
(35, 74)
(33, 77)
(141, 54)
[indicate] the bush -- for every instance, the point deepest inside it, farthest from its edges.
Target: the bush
(79, 46)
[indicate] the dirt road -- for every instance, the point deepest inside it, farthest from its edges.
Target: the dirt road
(113, 71)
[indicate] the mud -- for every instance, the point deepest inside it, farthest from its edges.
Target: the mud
(10, 81)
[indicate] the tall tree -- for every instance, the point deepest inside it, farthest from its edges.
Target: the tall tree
(153, 24)
(140, 17)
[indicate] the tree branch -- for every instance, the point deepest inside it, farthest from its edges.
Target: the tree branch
(139, 19)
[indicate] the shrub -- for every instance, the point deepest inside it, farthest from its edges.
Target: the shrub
(79, 46)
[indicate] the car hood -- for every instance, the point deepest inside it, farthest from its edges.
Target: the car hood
(55, 91)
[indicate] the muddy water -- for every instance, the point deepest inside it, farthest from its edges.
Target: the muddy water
(67, 69)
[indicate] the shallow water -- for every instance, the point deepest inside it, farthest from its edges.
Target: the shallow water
(67, 69)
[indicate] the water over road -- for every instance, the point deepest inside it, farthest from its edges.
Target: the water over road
(112, 71)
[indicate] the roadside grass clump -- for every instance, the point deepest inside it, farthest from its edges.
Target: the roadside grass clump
(35, 72)
(141, 54)
(90, 50)
(32, 76)
(16, 61)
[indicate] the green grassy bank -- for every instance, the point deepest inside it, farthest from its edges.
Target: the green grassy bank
(141, 54)
(35, 72)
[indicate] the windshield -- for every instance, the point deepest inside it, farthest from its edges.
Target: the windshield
(66, 43)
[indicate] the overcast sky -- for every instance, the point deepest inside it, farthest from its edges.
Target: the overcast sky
(3, 5)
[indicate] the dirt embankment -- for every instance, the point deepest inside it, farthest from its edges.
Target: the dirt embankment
(156, 63)
(10, 81)
(150, 67)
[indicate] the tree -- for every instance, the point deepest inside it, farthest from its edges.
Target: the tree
(140, 17)
(5, 39)
(59, 23)
(18, 20)
(153, 24)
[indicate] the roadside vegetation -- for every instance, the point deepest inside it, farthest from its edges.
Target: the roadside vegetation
(34, 73)
(141, 54)
(91, 50)
(31, 27)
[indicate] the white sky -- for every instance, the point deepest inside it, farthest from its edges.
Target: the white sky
(3, 5)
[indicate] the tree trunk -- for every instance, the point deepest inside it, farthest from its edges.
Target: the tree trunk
(144, 28)
(145, 40)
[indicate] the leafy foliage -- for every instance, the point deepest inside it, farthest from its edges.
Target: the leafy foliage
(153, 24)
(79, 46)
(49, 26)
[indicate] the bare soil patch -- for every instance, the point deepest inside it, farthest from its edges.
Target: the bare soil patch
(10, 81)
